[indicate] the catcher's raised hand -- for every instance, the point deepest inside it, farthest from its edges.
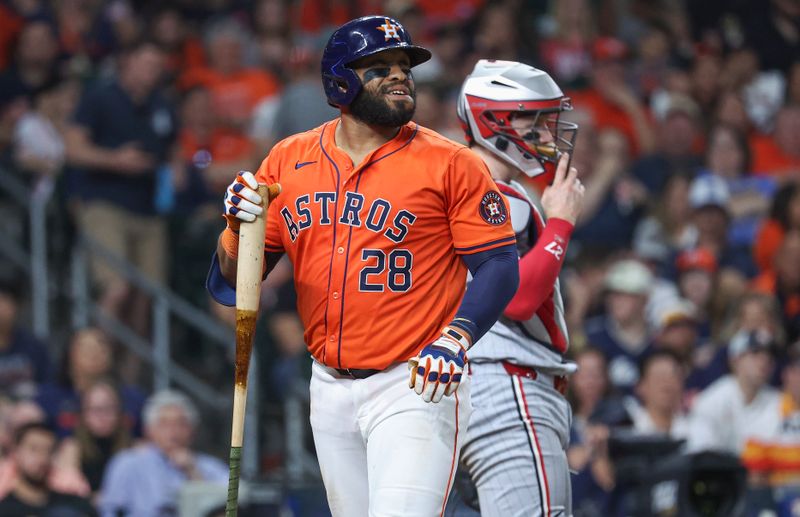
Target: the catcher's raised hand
(438, 368)
(564, 198)
(242, 202)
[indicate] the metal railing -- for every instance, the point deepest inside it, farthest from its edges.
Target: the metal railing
(34, 202)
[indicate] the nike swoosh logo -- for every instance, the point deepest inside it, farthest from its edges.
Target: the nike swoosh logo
(299, 165)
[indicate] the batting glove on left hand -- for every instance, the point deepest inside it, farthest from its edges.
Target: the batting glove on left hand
(438, 368)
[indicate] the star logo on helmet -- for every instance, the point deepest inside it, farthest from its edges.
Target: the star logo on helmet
(389, 29)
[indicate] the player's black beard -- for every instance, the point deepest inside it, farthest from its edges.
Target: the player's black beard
(373, 109)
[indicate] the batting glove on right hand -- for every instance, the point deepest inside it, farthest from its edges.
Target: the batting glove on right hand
(242, 202)
(438, 368)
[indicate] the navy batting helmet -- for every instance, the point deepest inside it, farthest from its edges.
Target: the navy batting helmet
(356, 39)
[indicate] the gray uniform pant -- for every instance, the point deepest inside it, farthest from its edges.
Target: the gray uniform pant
(516, 446)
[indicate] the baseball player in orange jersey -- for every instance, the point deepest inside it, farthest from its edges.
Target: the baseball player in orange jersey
(515, 449)
(381, 219)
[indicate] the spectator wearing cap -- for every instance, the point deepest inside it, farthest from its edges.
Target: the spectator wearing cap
(735, 407)
(622, 333)
(696, 279)
(728, 157)
(612, 101)
(784, 216)
(676, 329)
(24, 363)
(709, 196)
(783, 282)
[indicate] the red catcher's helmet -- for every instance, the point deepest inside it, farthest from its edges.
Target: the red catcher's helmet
(494, 93)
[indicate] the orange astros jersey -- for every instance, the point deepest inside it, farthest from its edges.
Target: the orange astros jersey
(375, 247)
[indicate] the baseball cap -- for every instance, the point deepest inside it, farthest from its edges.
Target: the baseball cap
(608, 49)
(750, 341)
(629, 276)
(697, 258)
(675, 312)
(709, 190)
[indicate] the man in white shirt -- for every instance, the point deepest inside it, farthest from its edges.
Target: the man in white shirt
(737, 406)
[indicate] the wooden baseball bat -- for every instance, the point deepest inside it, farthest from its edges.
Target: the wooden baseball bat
(249, 269)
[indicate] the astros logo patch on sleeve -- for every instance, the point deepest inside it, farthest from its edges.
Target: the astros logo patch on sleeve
(493, 208)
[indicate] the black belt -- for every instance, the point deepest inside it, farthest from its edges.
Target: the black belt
(356, 373)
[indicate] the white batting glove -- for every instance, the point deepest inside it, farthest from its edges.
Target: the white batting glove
(438, 368)
(242, 202)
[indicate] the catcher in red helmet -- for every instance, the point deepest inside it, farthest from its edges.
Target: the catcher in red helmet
(515, 449)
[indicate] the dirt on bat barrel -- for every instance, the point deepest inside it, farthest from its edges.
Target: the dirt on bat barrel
(245, 332)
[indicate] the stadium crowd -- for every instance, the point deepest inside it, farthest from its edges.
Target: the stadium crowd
(682, 286)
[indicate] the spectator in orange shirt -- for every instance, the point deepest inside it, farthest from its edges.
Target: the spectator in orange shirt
(780, 154)
(183, 50)
(784, 216)
(236, 89)
(783, 281)
(612, 102)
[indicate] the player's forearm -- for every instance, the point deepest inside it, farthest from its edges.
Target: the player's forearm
(227, 263)
(538, 270)
(495, 278)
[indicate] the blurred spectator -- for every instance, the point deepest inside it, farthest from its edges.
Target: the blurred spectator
(784, 216)
(24, 363)
(14, 417)
(780, 154)
(566, 42)
(593, 474)
(145, 481)
(783, 282)
(678, 132)
(772, 458)
(35, 63)
(497, 32)
(39, 134)
(87, 360)
(210, 152)
(31, 495)
(184, 51)
(622, 333)
(728, 157)
(101, 432)
(614, 201)
(706, 79)
(697, 278)
(676, 330)
(303, 89)
(730, 111)
(122, 133)
(667, 229)
(709, 197)
(737, 406)
(236, 90)
(611, 100)
(660, 391)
